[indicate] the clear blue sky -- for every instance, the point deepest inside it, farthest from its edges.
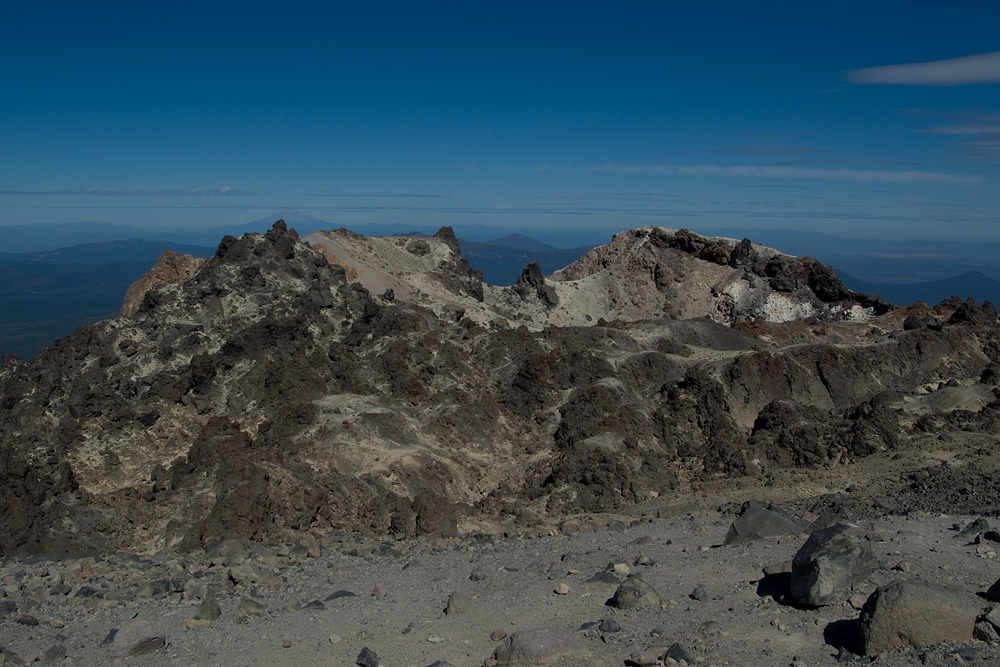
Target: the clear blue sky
(872, 117)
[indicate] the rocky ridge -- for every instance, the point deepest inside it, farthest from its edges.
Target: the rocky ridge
(287, 389)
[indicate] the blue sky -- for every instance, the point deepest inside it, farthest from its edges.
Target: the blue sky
(877, 118)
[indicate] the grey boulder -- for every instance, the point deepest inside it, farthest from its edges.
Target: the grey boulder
(761, 521)
(527, 648)
(826, 567)
(634, 593)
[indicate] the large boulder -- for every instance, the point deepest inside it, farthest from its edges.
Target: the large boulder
(828, 565)
(915, 613)
(758, 520)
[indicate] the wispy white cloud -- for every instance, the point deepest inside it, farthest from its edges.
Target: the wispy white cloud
(361, 195)
(224, 191)
(987, 151)
(984, 133)
(788, 172)
(763, 149)
(981, 68)
(984, 128)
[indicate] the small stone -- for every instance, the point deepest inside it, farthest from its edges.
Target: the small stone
(60, 589)
(367, 658)
(311, 545)
(634, 593)
(379, 591)
(857, 600)
(340, 594)
(710, 628)
(137, 636)
(700, 593)
(993, 616)
(26, 619)
(286, 643)
(209, 608)
(604, 577)
(248, 608)
(154, 590)
(498, 635)
(55, 653)
(197, 623)
(780, 567)
(610, 625)
(678, 653)
(644, 658)
(986, 632)
(456, 603)
(562, 589)
(434, 639)
(621, 569)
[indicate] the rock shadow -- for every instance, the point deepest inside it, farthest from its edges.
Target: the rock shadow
(844, 635)
(777, 586)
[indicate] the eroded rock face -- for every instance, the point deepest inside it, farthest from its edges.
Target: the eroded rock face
(172, 267)
(649, 272)
(270, 395)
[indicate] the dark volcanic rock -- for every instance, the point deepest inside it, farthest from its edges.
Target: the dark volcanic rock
(830, 562)
(268, 395)
(761, 521)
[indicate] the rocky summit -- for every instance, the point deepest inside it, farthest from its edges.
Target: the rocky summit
(291, 387)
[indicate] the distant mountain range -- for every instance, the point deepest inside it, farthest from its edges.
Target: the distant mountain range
(55, 277)
(104, 252)
(971, 283)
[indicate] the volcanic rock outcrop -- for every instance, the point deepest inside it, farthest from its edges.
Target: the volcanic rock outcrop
(292, 386)
(172, 267)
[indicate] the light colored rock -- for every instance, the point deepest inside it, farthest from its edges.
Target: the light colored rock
(138, 636)
(249, 608)
(915, 613)
(209, 609)
(634, 593)
(531, 648)
(457, 602)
